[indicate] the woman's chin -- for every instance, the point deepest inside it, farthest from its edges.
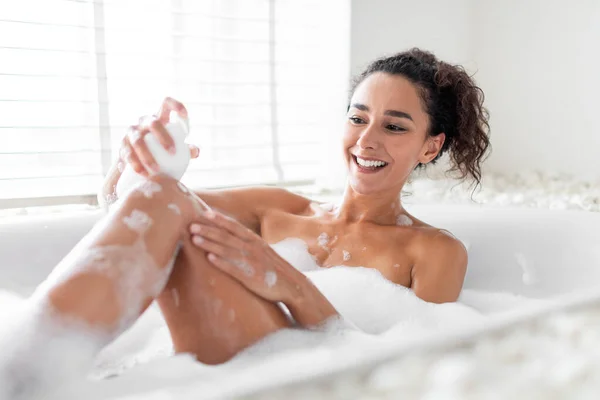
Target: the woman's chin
(364, 188)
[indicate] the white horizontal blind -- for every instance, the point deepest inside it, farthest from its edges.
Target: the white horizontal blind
(257, 77)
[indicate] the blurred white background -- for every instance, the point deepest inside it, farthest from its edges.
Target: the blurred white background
(261, 79)
(266, 83)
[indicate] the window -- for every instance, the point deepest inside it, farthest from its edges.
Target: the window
(264, 82)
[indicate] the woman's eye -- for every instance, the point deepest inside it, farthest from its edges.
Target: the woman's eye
(395, 128)
(356, 120)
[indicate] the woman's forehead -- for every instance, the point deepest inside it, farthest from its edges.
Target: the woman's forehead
(381, 91)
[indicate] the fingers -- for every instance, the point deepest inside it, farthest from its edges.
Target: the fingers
(134, 149)
(215, 234)
(209, 246)
(157, 128)
(129, 156)
(169, 104)
(237, 269)
(194, 151)
(160, 132)
(231, 225)
(140, 148)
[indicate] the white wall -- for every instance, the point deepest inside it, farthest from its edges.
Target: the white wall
(538, 62)
(381, 27)
(539, 65)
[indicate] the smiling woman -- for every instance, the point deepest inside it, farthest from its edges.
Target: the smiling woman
(217, 277)
(436, 103)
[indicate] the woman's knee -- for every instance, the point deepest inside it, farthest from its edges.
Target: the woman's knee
(163, 193)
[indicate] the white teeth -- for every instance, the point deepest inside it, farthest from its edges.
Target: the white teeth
(369, 164)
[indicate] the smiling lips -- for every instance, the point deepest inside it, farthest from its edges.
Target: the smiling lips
(368, 165)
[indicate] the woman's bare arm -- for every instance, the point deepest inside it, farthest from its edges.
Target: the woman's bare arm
(248, 205)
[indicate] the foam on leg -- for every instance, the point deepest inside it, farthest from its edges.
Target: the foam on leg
(95, 293)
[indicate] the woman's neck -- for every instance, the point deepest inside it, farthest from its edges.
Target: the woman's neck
(381, 208)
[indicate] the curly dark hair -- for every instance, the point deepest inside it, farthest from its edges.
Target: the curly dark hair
(453, 102)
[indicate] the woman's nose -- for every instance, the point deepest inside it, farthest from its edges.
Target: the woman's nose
(368, 138)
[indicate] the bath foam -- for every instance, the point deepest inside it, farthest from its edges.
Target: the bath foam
(529, 276)
(38, 334)
(173, 207)
(243, 266)
(148, 188)
(295, 251)
(138, 221)
(403, 220)
(270, 279)
(175, 295)
(323, 241)
(43, 351)
(132, 267)
(347, 255)
(141, 362)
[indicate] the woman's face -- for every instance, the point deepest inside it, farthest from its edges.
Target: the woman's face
(387, 127)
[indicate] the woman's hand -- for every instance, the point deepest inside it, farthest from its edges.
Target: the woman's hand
(133, 148)
(245, 256)
(241, 253)
(134, 151)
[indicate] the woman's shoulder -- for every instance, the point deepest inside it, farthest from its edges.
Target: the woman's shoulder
(426, 240)
(429, 236)
(440, 265)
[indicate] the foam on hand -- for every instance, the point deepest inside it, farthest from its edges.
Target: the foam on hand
(173, 165)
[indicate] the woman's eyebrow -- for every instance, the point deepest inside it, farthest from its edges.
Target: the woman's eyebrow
(393, 113)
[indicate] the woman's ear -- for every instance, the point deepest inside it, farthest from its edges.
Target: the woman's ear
(432, 147)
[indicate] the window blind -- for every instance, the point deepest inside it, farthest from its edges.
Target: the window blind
(260, 79)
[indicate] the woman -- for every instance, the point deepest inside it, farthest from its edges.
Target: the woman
(220, 292)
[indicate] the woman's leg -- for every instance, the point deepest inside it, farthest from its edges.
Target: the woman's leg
(96, 292)
(210, 314)
(113, 274)
(116, 271)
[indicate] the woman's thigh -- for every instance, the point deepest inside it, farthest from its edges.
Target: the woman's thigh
(210, 314)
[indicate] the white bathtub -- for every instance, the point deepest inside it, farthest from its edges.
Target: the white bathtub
(531, 252)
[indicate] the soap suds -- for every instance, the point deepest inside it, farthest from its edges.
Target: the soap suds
(323, 241)
(329, 207)
(173, 207)
(175, 295)
(110, 198)
(138, 221)
(270, 278)
(347, 255)
(528, 277)
(40, 334)
(148, 188)
(403, 220)
(243, 265)
(404, 318)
